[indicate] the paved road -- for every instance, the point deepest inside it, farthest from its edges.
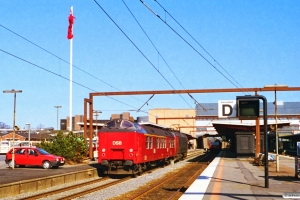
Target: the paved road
(2, 162)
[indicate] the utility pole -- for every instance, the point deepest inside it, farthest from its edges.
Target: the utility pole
(57, 107)
(14, 123)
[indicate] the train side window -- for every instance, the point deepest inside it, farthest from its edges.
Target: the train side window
(147, 142)
(151, 143)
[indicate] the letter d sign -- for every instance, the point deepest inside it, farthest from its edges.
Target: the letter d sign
(226, 108)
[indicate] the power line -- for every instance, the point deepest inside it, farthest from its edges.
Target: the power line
(136, 45)
(51, 72)
(72, 65)
(189, 44)
(63, 60)
(156, 50)
(133, 44)
(57, 56)
(198, 43)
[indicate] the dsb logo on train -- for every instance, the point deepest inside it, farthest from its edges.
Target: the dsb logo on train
(117, 143)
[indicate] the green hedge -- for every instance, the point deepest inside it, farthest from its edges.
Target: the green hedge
(70, 146)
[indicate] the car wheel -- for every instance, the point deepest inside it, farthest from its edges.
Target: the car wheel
(11, 164)
(46, 165)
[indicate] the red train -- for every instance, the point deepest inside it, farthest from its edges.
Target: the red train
(126, 147)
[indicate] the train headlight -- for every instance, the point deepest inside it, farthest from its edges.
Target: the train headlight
(130, 150)
(103, 150)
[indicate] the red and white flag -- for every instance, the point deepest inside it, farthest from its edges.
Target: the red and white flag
(71, 22)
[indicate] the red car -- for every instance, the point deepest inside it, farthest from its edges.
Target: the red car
(33, 156)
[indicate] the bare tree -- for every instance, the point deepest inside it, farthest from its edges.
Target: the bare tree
(3, 125)
(40, 126)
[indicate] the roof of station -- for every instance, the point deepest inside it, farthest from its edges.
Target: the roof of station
(283, 108)
(229, 128)
(225, 129)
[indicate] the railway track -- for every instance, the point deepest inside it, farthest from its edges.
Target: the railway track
(173, 185)
(91, 186)
(80, 185)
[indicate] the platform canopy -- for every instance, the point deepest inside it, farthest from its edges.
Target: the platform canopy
(228, 129)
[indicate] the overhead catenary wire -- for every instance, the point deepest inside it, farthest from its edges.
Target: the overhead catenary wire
(51, 72)
(198, 43)
(159, 54)
(190, 45)
(134, 45)
(61, 59)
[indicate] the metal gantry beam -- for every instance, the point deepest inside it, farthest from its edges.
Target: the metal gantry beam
(264, 89)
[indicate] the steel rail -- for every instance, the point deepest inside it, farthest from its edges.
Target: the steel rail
(57, 191)
(146, 191)
(94, 189)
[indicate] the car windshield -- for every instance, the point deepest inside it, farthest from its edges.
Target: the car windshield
(42, 151)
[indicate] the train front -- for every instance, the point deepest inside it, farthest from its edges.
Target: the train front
(119, 147)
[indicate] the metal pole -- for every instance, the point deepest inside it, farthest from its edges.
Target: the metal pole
(28, 132)
(14, 125)
(266, 141)
(29, 135)
(265, 135)
(276, 133)
(57, 116)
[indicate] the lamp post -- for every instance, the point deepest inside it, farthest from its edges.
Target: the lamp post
(57, 107)
(14, 123)
(97, 112)
(276, 132)
(28, 124)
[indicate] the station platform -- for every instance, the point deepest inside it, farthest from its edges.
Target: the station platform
(10, 176)
(228, 177)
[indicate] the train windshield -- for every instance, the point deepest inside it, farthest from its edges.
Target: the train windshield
(125, 124)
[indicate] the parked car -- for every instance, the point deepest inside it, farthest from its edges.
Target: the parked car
(33, 156)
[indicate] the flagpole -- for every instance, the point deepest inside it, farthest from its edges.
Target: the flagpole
(71, 59)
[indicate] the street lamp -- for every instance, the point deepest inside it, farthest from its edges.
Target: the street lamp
(96, 114)
(57, 115)
(28, 124)
(14, 123)
(276, 132)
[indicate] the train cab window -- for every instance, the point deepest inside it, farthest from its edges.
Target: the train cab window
(126, 124)
(111, 124)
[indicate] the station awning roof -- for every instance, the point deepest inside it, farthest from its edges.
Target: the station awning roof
(228, 129)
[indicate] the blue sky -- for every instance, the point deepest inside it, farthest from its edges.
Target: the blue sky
(256, 42)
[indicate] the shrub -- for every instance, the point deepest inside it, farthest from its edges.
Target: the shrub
(71, 146)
